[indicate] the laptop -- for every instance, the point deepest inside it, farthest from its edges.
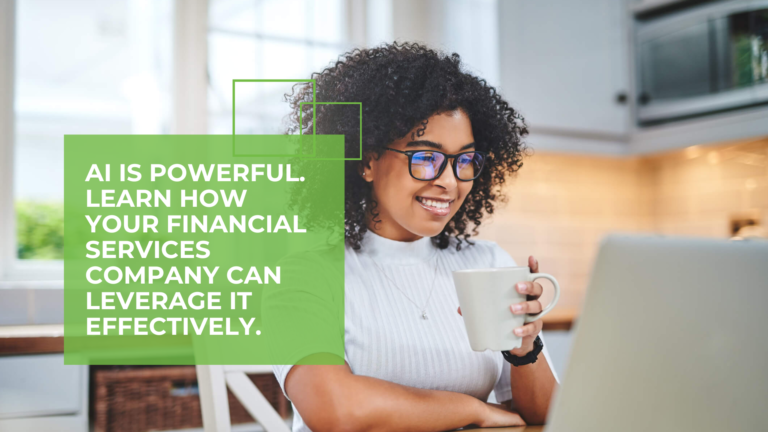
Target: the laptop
(673, 336)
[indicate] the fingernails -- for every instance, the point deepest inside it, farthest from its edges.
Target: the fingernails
(519, 331)
(522, 287)
(517, 307)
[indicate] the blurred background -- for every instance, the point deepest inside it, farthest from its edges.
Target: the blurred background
(647, 116)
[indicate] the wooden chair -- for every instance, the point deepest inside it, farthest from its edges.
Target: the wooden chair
(213, 382)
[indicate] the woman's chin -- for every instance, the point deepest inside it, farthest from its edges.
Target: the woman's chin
(429, 229)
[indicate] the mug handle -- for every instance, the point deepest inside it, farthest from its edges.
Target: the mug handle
(534, 276)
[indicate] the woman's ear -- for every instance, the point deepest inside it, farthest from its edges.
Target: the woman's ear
(366, 170)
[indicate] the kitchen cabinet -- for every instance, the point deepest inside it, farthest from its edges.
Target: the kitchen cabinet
(565, 66)
(38, 392)
(38, 385)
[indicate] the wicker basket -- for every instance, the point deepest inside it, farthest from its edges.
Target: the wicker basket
(164, 398)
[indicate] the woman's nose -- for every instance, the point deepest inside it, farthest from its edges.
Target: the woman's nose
(447, 179)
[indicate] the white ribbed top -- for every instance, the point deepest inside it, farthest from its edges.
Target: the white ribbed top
(385, 334)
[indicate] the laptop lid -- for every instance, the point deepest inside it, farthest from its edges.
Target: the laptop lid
(673, 335)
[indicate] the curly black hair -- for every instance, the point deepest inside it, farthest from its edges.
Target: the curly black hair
(401, 85)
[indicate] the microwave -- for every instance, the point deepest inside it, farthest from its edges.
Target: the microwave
(700, 60)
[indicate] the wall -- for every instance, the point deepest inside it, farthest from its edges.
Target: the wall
(560, 205)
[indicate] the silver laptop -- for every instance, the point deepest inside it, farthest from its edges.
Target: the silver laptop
(673, 336)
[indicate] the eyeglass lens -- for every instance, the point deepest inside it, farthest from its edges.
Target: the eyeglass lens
(425, 165)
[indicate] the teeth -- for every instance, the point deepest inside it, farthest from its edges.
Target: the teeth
(435, 204)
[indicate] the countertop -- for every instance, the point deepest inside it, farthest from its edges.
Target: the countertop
(43, 339)
(560, 319)
(32, 339)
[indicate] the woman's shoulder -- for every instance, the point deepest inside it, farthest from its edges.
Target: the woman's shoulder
(485, 251)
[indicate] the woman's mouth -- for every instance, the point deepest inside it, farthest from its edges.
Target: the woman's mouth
(436, 206)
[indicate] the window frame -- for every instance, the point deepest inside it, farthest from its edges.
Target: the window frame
(358, 13)
(14, 273)
(18, 273)
(190, 115)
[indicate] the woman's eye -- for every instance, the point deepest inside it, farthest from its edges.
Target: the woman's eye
(425, 157)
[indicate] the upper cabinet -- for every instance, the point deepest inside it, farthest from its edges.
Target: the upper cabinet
(565, 66)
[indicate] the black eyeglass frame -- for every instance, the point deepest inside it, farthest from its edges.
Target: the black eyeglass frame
(410, 154)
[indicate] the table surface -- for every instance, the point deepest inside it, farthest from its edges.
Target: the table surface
(511, 429)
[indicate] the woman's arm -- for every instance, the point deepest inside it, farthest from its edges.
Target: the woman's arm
(536, 385)
(332, 398)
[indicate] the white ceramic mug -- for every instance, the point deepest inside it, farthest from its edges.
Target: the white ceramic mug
(485, 297)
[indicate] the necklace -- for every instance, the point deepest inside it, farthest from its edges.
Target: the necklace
(422, 309)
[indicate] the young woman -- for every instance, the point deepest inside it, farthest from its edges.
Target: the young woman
(438, 143)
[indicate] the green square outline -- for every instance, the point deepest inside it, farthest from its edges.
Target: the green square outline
(314, 97)
(314, 131)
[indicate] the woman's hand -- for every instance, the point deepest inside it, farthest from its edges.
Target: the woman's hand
(496, 415)
(532, 306)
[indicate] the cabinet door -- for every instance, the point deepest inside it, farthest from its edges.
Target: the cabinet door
(563, 63)
(39, 385)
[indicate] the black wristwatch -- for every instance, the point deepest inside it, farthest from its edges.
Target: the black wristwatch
(529, 358)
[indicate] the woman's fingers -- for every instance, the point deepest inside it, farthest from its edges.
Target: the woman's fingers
(530, 288)
(533, 264)
(532, 307)
(497, 415)
(529, 329)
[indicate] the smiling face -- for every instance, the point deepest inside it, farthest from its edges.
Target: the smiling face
(409, 208)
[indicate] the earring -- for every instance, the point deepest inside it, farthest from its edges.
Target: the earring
(363, 173)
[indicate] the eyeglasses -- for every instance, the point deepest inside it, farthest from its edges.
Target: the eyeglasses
(428, 165)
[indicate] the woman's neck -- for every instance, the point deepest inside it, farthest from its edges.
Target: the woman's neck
(390, 230)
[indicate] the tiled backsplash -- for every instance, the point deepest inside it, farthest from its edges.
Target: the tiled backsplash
(697, 191)
(560, 205)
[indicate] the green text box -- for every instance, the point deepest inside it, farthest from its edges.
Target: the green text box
(301, 315)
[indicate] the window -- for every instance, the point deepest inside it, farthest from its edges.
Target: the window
(267, 39)
(86, 67)
(95, 67)
(470, 28)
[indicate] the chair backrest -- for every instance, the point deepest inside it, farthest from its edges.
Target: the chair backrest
(213, 382)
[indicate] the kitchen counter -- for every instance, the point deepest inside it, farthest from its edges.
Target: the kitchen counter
(31, 339)
(46, 339)
(560, 319)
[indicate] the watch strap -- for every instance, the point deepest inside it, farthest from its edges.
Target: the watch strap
(529, 358)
